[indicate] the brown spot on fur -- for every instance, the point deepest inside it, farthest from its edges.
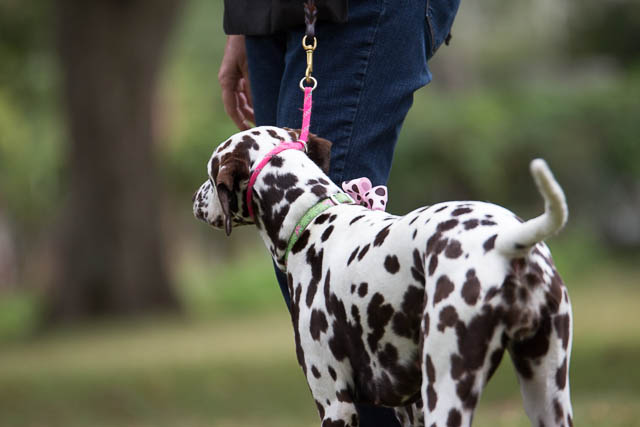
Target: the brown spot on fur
(474, 338)
(563, 328)
(363, 252)
(454, 419)
(407, 320)
(436, 243)
(362, 289)
(417, 270)
(447, 225)
(461, 211)
(391, 264)
(557, 409)
(332, 372)
(431, 371)
(273, 134)
(528, 350)
(381, 236)
(318, 324)
(327, 233)
(471, 288)
(490, 243)
(356, 219)
(433, 264)
(432, 397)
(301, 243)
(448, 318)
(378, 315)
(444, 287)
(320, 409)
(454, 249)
(353, 255)
(344, 396)
(470, 224)
(464, 390)
(314, 259)
(561, 375)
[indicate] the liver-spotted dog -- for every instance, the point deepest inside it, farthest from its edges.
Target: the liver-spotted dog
(412, 312)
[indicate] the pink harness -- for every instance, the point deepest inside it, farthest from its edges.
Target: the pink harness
(300, 144)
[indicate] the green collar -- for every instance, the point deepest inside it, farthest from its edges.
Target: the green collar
(311, 214)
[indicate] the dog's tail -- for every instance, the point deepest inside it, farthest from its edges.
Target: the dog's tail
(523, 236)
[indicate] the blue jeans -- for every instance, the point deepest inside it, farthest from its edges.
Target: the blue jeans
(367, 72)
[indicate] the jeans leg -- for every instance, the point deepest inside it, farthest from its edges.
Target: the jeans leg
(265, 56)
(266, 65)
(284, 286)
(367, 72)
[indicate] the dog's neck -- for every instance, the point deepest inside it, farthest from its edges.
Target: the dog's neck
(285, 190)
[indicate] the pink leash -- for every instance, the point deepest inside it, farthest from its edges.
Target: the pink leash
(300, 144)
(306, 115)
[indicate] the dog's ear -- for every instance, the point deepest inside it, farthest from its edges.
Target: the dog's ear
(226, 197)
(293, 133)
(319, 150)
(232, 170)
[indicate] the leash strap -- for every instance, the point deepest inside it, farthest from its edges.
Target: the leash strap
(296, 145)
(311, 214)
(310, 15)
(306, 114)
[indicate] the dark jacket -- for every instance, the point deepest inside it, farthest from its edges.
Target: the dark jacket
(263, 17)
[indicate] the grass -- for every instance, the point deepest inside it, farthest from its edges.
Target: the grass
(236, 367)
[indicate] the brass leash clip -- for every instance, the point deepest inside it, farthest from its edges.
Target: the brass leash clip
(309, 48)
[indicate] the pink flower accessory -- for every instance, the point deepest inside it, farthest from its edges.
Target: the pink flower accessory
(360, 190)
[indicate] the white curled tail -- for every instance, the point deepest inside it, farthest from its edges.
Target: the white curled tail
(523, 236)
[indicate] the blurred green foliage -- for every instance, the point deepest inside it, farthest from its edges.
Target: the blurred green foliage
(31, 158)
(478, 144)
(468, 141)
(19, 313)
(31, 153)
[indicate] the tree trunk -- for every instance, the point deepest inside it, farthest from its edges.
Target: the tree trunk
(111, 259)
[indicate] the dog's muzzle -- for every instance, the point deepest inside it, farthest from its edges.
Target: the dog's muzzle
(202, 201)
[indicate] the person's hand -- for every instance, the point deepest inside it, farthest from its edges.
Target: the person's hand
(234, 81)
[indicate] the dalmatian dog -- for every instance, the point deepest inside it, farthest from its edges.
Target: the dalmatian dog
(412, 312)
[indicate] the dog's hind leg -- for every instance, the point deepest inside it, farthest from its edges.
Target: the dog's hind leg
(340, 413)
(544, 375)
(458, 357)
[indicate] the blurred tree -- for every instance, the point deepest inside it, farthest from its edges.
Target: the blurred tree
(111, 259)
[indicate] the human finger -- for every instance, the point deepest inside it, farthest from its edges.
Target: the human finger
(230, 102)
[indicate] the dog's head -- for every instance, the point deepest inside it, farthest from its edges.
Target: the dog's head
(221, 200)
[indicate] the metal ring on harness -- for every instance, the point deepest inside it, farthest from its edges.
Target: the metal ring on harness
(315, 83)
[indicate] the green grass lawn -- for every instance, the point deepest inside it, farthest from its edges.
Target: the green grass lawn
(237, 368)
